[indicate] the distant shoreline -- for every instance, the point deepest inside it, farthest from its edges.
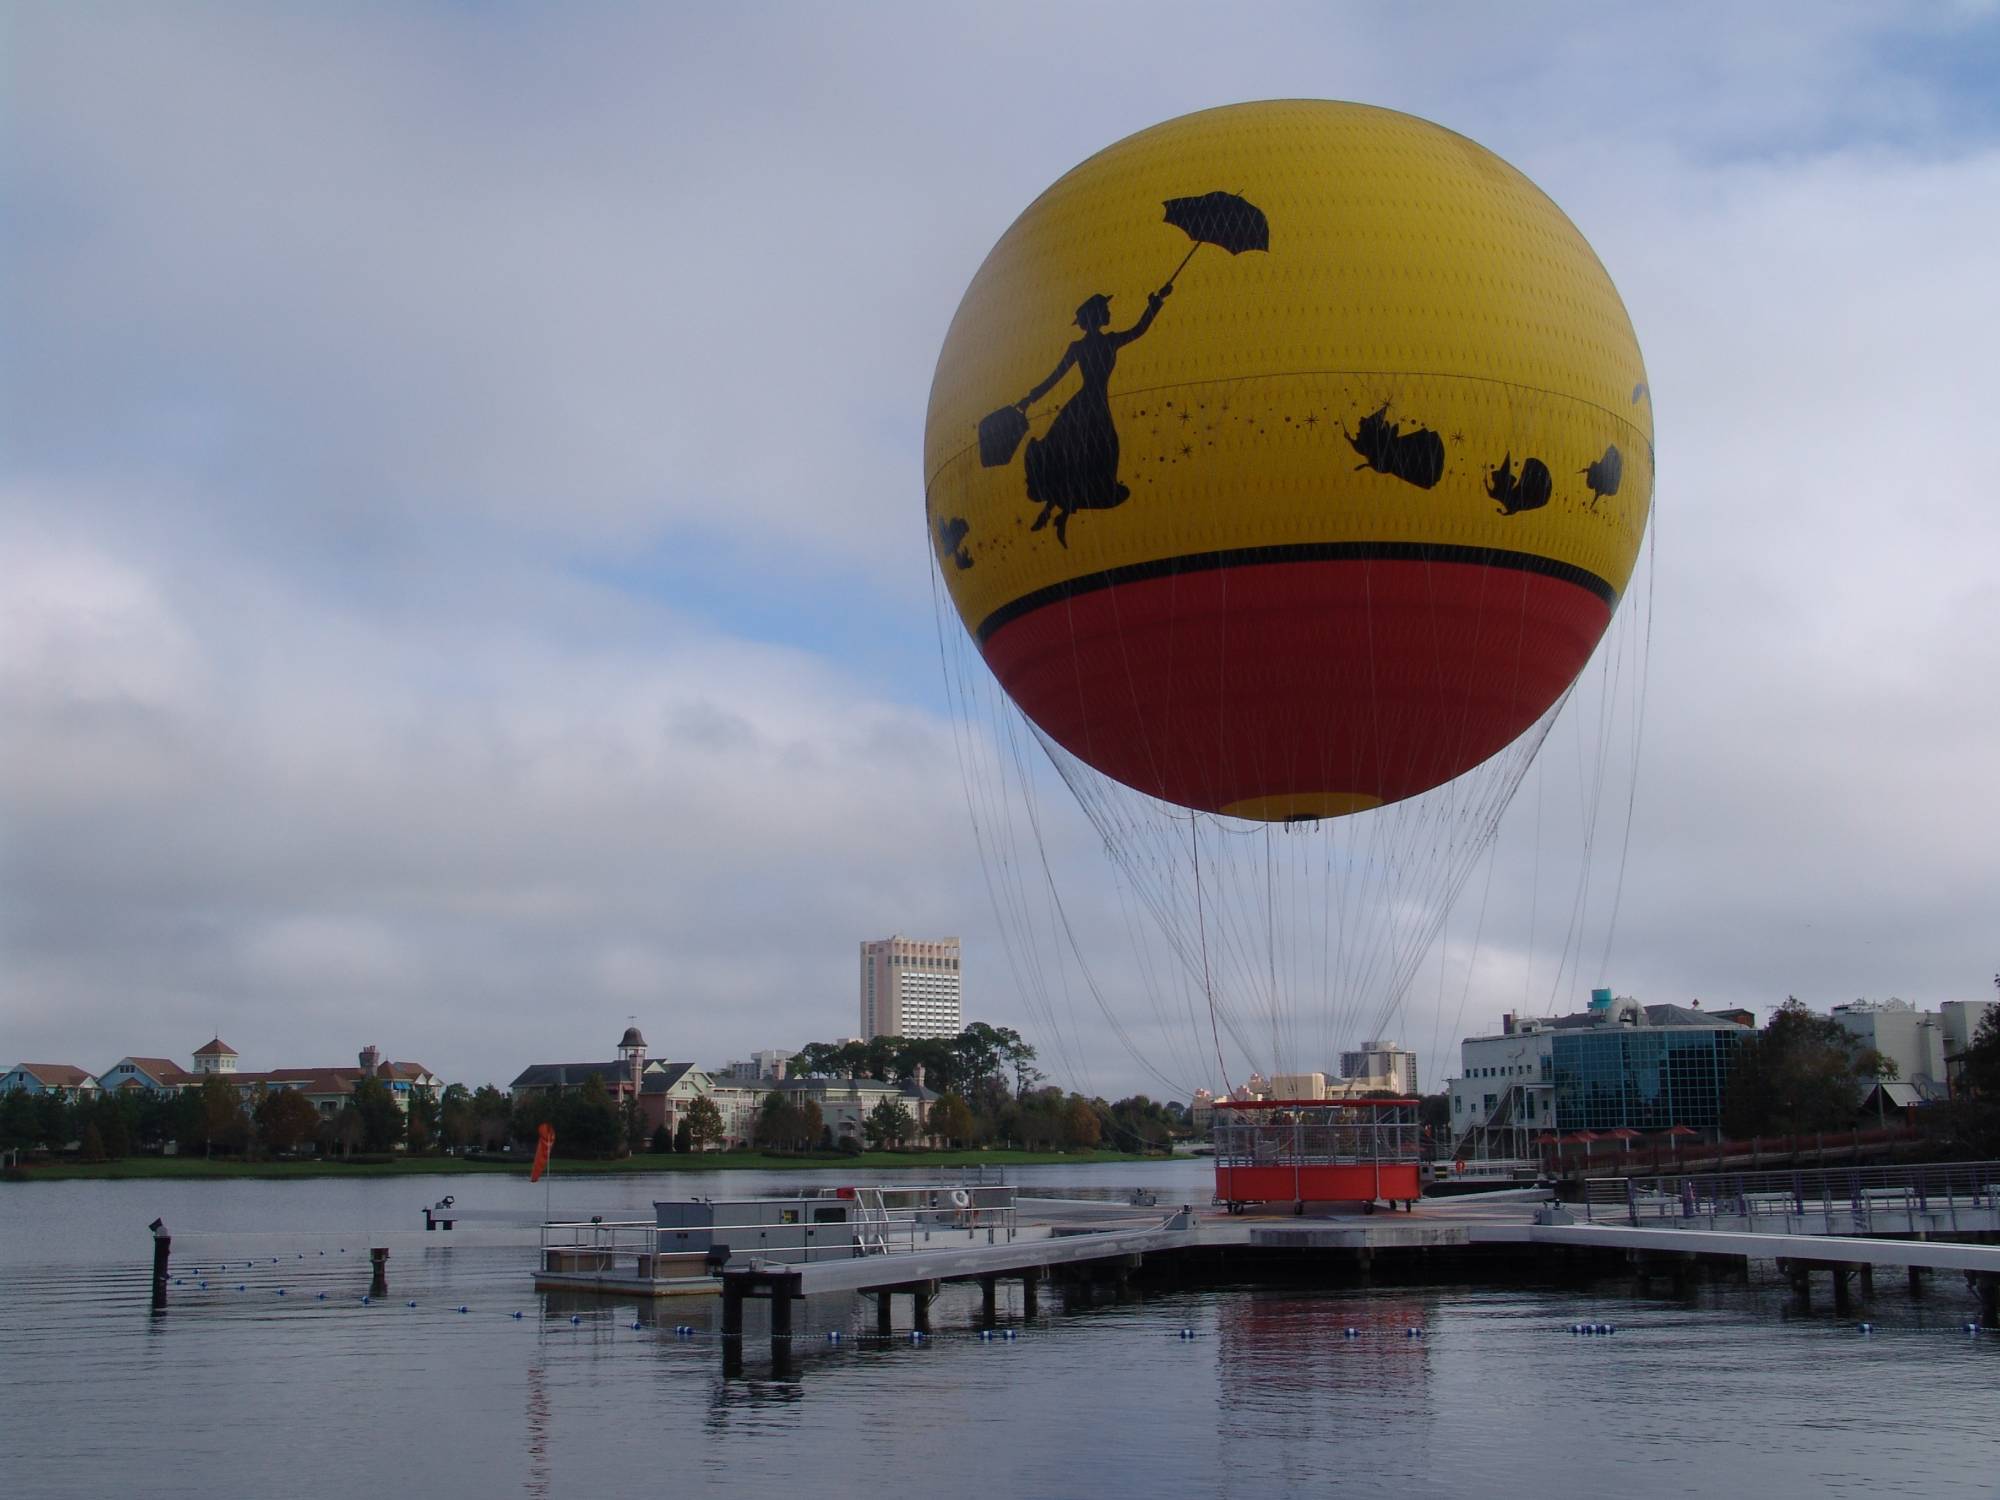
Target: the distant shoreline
(195, 1169)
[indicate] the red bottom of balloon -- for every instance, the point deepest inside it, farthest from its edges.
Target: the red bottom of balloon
(1298, 688)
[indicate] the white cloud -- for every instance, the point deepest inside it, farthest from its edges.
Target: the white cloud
(348, 343)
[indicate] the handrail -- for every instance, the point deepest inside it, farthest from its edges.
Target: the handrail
(878, 1228)
(1858, 1197)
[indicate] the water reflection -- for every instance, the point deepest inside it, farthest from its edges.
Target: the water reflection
(1312, 1373)
(537, 1482)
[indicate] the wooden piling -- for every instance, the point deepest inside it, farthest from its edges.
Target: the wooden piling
(163, 1244)
(1031, 1294)
(989, 1298)
(781, 1315)
(1800, 1277)
(378, 1263)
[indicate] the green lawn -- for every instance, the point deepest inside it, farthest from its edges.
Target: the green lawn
(868, 1164)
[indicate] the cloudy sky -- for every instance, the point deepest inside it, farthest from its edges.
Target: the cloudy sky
(462, 580)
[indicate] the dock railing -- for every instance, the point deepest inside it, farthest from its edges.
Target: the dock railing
(883, 1221)
(1949, 1197)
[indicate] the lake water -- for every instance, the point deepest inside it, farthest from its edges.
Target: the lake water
(239, 1390)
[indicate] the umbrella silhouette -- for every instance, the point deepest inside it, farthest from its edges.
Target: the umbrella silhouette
(1221, 219)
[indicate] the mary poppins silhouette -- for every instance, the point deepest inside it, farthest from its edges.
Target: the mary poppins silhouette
(1074, 466)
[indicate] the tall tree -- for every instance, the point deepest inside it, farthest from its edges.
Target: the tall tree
(211, 1117)
(17, 1120)
(458, 1122)
(587, 1121)
(1799, 1075)
(374, 1106)
(777, 1123)
(421, 1119)
(493, 1110)
(950, 1120)
(109, 1115)
(1979, 1066)
(888, 1123)
(286, 1120)
(704, 1124)
(1082, 1127)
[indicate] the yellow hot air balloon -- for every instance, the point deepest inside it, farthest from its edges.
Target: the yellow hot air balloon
(1288, 459)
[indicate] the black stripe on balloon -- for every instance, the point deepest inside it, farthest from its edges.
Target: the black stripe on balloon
(1296, 552)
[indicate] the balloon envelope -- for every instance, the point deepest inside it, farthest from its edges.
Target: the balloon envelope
(1326, 521)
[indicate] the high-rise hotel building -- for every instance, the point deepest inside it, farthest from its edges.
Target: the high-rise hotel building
(911, 988)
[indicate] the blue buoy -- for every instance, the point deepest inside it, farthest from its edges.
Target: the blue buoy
(916, 1336)
(1011, 1335)
(364, 1299)
(635, 1326)
(409, 1304)
(240, 1286)
(319, 1297)
(517, 1317)
(1972, 1328)
(1413, 1333)
(985, 1335)
(1867, 1327)
(1350, 1333)
(463, 1308)
(833, 1335)
(575, 1318)
(204, 1286)
(281, 1291)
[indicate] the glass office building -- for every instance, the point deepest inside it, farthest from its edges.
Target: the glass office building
(1643, 1077)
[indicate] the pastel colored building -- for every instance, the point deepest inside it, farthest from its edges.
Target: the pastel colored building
(66, 1079)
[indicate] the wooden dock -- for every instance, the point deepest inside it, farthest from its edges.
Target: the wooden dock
(1517, 1220)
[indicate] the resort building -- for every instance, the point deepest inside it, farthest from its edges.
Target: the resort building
(66, 1079)
(1379, 1067)
(739, 1104)
(1912, 1039)
(328, 1089)
(770, 1063)
(664, 1089)
(150, 1075)
(911, 988)
(217, 1057)
(1618, 1066)
(845, 1103)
